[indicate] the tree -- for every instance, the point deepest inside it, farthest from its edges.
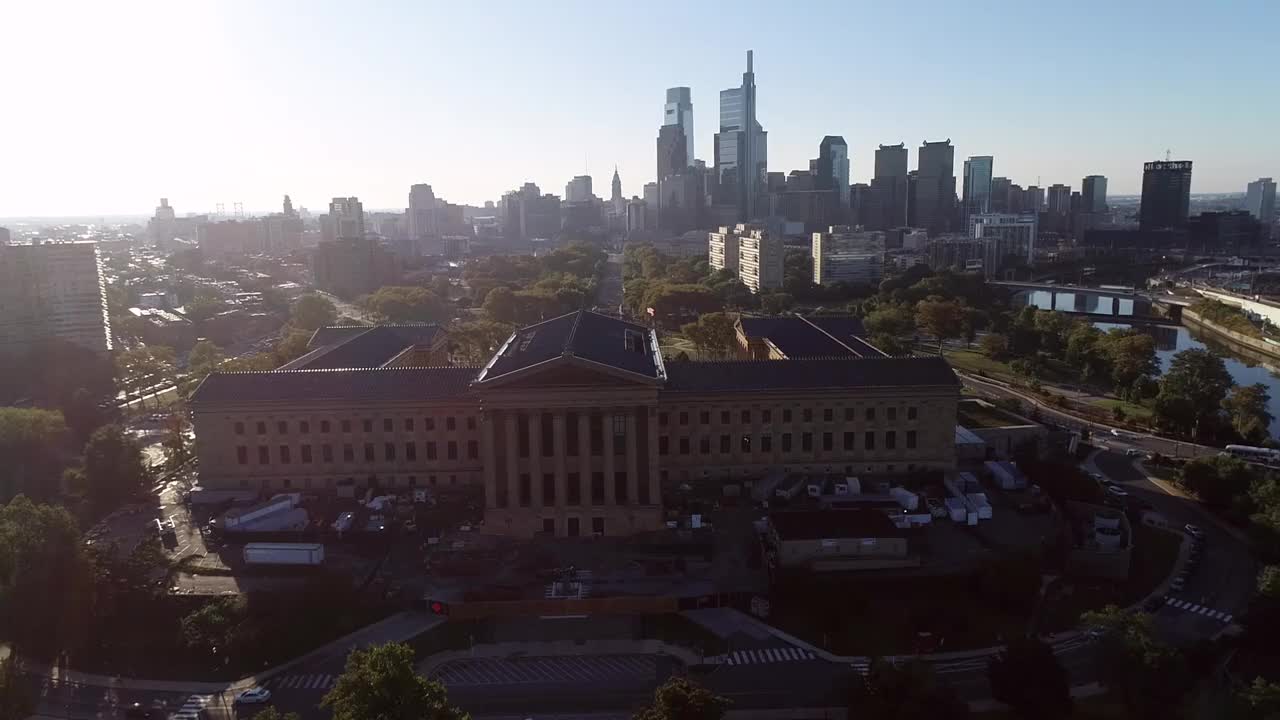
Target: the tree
(1247, 409)
(776, 303)
(113, 469)
(476, 341)
(177, 444)
(713, 334)
(1192, 390)
(1269, 582)
(894, 320)
(1259, 700)
(1130, 354)
(402, 304)
(682, 699)
(211, 629)
(1028, 678)
(500, 305)
(203, 359)
(31, 443)
(291, 347)
(1011, 581)
(1148, 676)
(1217, 480)
(381, 683)
(995, 346)
(82, 413)
(16, 702)
(907, 692)
(204, 305)
(940, 318)
(312, 311)
(270, 713)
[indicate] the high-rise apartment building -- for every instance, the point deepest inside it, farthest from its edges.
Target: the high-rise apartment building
(842, 255)
(890, 184)
(741, 149)
(353, 266)
(52, 291)
(678, 112)
(1166, 195)
(1007, 240)
(977, 185)
(1260, 200)
(759, 258)
(578, 190)
(1000, 190)
(1093, 194)
(423, 218)
(832, 167)
(346, 218)
(935, 192)
(1033, 199)
(722, 249)
(1059, 198)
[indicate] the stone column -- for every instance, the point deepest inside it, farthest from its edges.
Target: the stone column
(488, 455)
(511, 427)
(584, 461)
(535, 461)
(655, 486)
(606, 423)
(633, 458)
(557, 424)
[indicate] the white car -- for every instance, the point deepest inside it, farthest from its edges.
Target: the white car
(253, 696)
(1117, 491)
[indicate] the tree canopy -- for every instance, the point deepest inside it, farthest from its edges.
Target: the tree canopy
(113, 469)
(903, 692)
(682, 699)
(381, 682)
(1192, 391)
(312, 311)
(32, 442)
(1028, 678)
(405, 304)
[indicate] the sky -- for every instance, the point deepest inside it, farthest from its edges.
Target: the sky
(109, 106)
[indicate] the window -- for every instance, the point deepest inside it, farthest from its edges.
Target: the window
(284, 455)
(597, 436)
(346, 426)
(911, 439)
(429, 423)
(806, 442)
(389, 451)
(724, 443)
(684, 418)
(368, 452)
(808, 414)
(724, 417)
(471, 423)
(388, 425)
(911, 413)
(891, 413)
(786, 415)
(548, 489)
(526, 492)
(574, 490)
(326, 453)
(348, 453)
(746, 444)
(745, 417)
(766, 443)
(548, 435)
(522, 435)
(848, 414)
(597, 488)
(869, 440)
(306, 453)
(549, 526)
(410, 451)
(408, 424)
(431, 451)
(786, 442)
(662, 419)
(871, 413)
(473, 449)
(620, 487)
(890, 440)
(704, 445)
(597, 525)
(264, 455)
(368, 425)
(453, 450)
(684, 446)
(664, 444)
(573, 527)
(239, 428)
(324, 426)
(827, 414)
(827, 442)
(849, 441)
(766, 416)
(704, 417)
(451, 423)
(262, 428)
(242, 455)
(287, 482)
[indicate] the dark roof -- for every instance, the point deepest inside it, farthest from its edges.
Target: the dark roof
(833, 524)
(371, 385)
(361, 346)
(821, 336)
(412, 333)
(848, 330)
(754, 375)
(582, 334)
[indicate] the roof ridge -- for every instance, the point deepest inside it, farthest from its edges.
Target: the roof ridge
(299, 371)
(573, 332)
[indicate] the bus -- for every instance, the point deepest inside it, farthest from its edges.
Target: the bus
(1248, 453)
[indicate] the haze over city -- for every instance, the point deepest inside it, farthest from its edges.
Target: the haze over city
(241, 102)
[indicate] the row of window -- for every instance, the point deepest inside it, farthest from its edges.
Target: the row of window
(388, 425)
(389, 450)
(573, 490)
(545, 428)
(287, 483)
(573, 526)
(849, 442)
(766, 415)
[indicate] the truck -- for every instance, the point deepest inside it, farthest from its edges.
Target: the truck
(296, 554)
(235, 518)
(287, 520)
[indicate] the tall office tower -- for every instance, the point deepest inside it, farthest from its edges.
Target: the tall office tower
(1059, 198)
(353, 266)
(578, 189)
(741, 151)
(1260, 200)
(977, 185)
(1007, 239)
(287, 207)
(1166, 195)
(423, 220)
(1033, 199)
(346, 216)
(890, 184)
(936, 186)
(679, 112)
(651, 196)
(759, 258)
(672, 150)
(1093, 194)
(618, 202)
(866, 209)
(832, 167)
(1000, 187)
(52, 291)
(161, 226)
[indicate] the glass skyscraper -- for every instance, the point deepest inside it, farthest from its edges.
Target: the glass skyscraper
(977, 185)
(679, 111)
(741, 148)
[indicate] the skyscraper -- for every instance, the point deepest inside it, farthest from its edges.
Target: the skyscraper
(741, 148)
(618, 202)
(1059, 198)
(1093, 194)
(833, 167)
(1260, 200)
(977, 185)
(346, 217)
(890, 184)
(936, 186)
(672, 151)
(52, 291)
(679, 112)
(1166, 195)
(1000, 189)
(1033, 199)
(578, 190)
(422, 212)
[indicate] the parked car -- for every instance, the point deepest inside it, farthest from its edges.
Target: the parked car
(1132, 452)
(1194, 531)
(1177, 584)
(1116, 491)
(253, 696)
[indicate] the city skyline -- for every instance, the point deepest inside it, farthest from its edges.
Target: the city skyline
(106, 130)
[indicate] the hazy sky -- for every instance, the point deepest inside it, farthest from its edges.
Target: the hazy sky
(108, 106)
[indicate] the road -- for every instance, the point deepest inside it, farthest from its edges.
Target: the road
(609, 294)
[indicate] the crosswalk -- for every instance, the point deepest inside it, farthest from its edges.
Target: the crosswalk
(1198, 609)
(191, 707)
(555, 670)
(762, 656)
(302, 681)
(576, 590)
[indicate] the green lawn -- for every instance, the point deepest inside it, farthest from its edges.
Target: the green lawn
(1137, 413)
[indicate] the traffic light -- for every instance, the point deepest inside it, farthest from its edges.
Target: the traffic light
(437, 608)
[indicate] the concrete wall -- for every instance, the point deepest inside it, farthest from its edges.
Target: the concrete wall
(1255, 344)
(1267, 310)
